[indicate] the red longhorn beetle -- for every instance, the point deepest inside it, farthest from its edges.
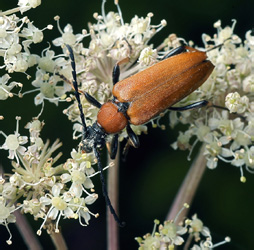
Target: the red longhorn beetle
(141, 97)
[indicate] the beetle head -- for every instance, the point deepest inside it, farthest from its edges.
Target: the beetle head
(94, 138)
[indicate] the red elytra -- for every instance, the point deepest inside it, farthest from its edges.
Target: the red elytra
(155, 89)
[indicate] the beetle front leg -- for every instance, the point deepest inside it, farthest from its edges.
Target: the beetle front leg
(115, 74)
(91, 100)
(116, 70)
(114, 147)
(132, 136)
(175, 51)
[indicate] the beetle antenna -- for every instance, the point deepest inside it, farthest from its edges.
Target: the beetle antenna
(75, 85)
(105, 192)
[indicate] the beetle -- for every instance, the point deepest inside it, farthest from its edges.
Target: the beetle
(141, 97)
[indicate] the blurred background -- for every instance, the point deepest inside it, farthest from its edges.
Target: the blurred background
(152, 174)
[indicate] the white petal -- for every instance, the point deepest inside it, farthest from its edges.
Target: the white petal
(178, 240)
(88, 184)
(65, 178)
(38, 99)
(68, 212)
(56, 189)
(11, 154)
(91, 199)
(225, 140)
(225, 152)
(45, 200)
(21, 150)
(76, 189)
(86, 216)
(53, 213)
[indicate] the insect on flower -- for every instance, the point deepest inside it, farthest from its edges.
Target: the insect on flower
(141, 97)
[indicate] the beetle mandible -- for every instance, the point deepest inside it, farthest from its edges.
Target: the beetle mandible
(141, 97)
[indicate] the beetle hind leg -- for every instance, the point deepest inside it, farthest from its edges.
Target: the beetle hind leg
(194, 105)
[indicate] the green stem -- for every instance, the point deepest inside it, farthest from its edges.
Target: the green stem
(113, 186)
(189, 187)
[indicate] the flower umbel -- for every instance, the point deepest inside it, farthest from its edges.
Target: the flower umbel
(43, 184)
(168, 236)
(13, 142)
(229, 87)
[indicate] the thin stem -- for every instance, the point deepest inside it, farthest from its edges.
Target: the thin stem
(9, 12)
(189, 186)
(58, 241)
(112, 226)
(188, 242)
(27, 233)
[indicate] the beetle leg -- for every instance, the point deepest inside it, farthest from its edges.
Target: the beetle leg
(104, 190)
(175, 51)
(116, 70)
(132, 136)
(114, 147)
(91, 100)
(116, 74)
(194, 105)
(201, 104)
(126, 150)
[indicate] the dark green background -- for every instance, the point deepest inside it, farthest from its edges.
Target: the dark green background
(153, 173)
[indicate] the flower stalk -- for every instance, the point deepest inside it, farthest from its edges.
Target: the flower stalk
(113, 192)
(27, 232)
(189, 186)
(58, 240)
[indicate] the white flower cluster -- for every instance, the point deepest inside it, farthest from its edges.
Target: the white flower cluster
(170, 235)
(17, 35)
(227, 127)
(42, 183)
